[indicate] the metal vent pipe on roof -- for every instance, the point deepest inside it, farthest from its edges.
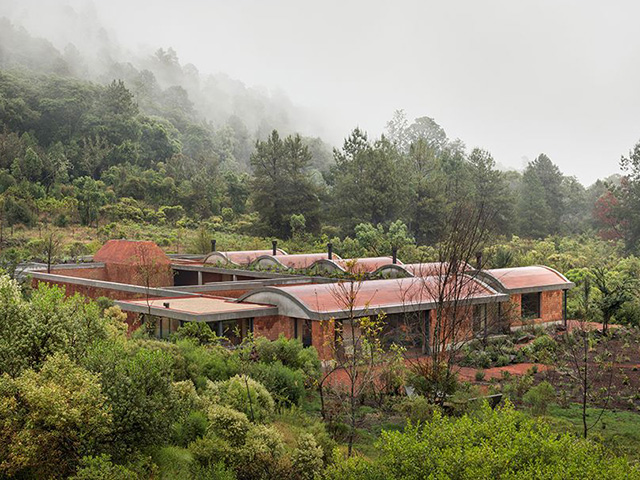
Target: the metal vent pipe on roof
(213, 245)
(274, 245)
(394, 255)
(330, 251)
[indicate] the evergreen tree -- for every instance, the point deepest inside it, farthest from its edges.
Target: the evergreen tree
(370, 182)
(281, 187)
(491, 189)
(551, 179)
(534, 214)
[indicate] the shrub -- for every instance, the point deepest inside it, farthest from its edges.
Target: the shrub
(50, 418)
(290, 353)
(262, 456)
(251, 451)
(517, 386)
(479, 375)
(172, 462)
(502, 361)
(211, 450)
(307, 458)
(243, 394)
(137, 383)
(200, 332)
(501, 443)
(417, 409)
(542, 349)
(194, 426)
(285, 385)
(295, 422)
(228, 424)
(101, 468)
(206, 362)
(434, 382)
(539, 397)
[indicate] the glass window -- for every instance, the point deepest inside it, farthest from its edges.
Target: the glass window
(479, 319)
(531, 305)
(306, 333)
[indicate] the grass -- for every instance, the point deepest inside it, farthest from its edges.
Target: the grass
(617, 430)
(173, 462)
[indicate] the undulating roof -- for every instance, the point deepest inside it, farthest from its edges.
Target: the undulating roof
(240, 257)
(320, 301)
(297, 261)
(366, 265)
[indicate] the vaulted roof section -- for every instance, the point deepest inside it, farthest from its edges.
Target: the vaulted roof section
(323, 301)
(240, 257)
(527, 279)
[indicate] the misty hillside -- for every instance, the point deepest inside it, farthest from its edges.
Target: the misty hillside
(228, 113)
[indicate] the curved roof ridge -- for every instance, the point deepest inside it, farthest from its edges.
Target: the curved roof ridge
(295, 261)
(529, 278)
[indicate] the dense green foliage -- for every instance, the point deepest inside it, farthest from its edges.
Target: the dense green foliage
(496, 444)
(77, 397)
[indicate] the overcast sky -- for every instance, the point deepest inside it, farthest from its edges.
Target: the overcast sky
(515, 77)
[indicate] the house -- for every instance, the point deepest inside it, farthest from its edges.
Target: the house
(272, 293)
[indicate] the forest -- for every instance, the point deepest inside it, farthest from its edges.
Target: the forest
(151, 149)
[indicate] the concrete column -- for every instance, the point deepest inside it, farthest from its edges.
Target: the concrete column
(235, 277)
(199, 278)
(564, 308)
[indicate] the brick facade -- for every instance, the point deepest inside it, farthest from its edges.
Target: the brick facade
(93, 273)
(271, 327)
(89, 291)
(322, 338)
(551, 308)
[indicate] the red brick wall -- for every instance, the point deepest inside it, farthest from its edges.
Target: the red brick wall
(322, 338)
(551, 307)
(159, 275)
(90, 292)
(94, 273)
(271, 327)
(208, 277)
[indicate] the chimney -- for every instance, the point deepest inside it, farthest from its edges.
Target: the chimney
(213, 245)
(479, 260)
(166, 304)
(330, 251)
(394, 254)
(274, 245)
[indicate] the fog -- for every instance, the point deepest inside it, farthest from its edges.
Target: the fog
(516, 78)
